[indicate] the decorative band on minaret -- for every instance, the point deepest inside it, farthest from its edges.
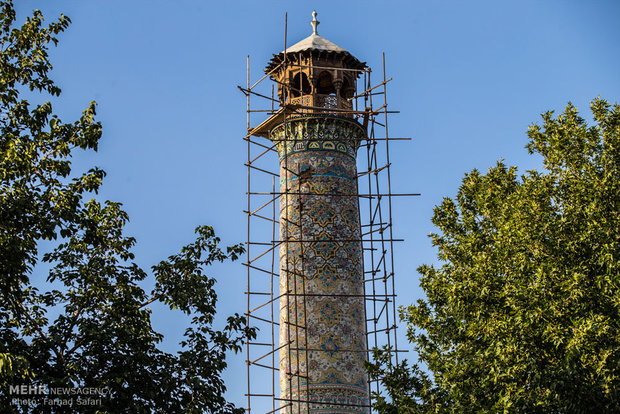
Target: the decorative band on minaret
(322, 305)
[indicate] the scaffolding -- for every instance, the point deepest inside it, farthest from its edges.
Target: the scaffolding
(375, 197)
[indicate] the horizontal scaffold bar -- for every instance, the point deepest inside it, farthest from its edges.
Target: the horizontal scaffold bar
(340, 403)
(330, 240)
(378, 195)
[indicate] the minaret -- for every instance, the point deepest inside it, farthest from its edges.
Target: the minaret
(322, 310)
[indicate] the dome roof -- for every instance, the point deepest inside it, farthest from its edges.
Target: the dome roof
(314, 42)
(318, 44)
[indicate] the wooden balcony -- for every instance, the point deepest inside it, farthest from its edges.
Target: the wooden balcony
(303, 105)
(321, 105)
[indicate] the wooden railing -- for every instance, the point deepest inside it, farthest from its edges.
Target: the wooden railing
(322, 101)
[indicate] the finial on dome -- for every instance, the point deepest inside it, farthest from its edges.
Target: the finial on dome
(314, 23)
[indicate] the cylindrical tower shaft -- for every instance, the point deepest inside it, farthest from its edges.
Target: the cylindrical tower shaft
(322, 313)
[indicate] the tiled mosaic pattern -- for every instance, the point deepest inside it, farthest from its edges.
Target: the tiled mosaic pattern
(322, 319)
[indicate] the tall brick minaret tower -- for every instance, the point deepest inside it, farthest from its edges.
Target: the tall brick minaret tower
(322, 311)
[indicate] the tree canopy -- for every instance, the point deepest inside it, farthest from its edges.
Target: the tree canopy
(522, 315)
(99, 334)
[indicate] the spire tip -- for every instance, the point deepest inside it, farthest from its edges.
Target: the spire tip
(314, 23)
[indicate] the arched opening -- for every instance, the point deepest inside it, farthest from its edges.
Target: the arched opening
(346, 91)
(300, 85)
(325, 85)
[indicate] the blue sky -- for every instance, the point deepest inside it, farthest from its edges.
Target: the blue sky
(469, 77)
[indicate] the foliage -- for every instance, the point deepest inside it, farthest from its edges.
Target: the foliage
(102, 335)
(409, 389)
(522, 315)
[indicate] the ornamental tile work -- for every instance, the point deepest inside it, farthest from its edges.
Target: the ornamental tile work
(322, 313)
(327, 133)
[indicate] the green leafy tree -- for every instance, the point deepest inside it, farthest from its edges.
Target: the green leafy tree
(522, 316)
(102, 335)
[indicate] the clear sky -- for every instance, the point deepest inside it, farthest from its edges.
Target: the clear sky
(469, 77)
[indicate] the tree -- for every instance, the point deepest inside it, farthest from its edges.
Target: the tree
(102, 337)
(522, 316)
